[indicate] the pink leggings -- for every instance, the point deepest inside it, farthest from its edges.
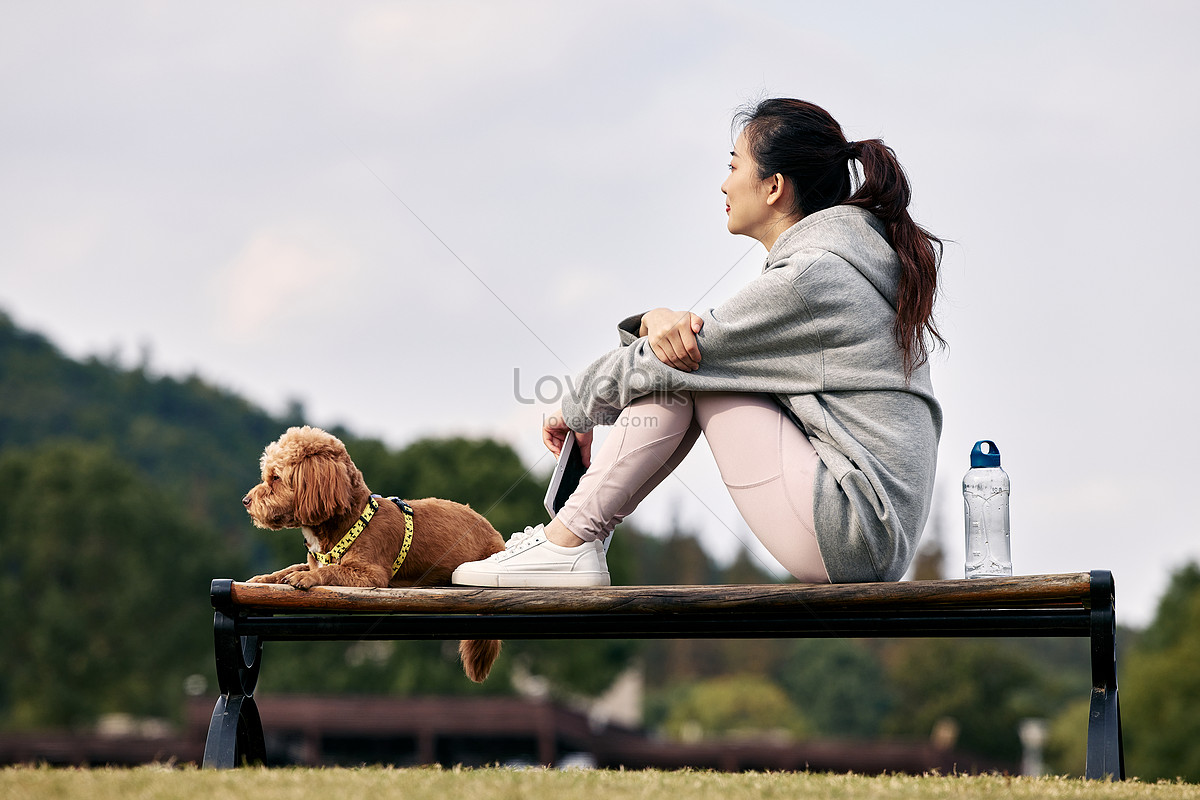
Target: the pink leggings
(766, 462)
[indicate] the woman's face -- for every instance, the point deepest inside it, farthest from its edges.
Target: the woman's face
(745, 194)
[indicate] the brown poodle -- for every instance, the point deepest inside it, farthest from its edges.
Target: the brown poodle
(309, 482)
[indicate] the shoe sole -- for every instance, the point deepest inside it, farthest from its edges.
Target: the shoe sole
(532, 580)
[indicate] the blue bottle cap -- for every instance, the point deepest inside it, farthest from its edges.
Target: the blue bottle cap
(985, 454)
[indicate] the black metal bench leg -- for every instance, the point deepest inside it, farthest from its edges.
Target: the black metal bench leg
(235, 733)
(1105, 749)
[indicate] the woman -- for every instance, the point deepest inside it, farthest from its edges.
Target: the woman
(810, 384)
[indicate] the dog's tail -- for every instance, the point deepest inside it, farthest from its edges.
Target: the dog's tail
(478, 655)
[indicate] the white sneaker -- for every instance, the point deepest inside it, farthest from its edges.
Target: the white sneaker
(529, 559)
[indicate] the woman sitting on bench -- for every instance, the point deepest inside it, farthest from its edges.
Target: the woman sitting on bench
(810, 384)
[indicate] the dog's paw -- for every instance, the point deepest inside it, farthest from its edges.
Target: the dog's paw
(278, 577)
(302, 580)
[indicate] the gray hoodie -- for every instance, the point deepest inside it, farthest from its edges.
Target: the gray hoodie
(815, 331)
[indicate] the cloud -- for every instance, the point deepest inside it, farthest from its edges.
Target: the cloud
(282, 279)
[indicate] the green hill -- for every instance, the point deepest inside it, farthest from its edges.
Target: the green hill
(198, 443)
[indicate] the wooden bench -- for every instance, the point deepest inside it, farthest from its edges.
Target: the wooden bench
(249, 614)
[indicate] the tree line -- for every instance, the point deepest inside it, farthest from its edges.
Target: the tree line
(120, 500)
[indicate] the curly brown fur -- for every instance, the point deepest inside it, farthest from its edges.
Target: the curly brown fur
(309, 482)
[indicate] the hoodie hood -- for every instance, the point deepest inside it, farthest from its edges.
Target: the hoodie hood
(853, 234)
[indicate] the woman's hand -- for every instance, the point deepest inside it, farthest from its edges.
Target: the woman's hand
(554, 433)
(672, 336)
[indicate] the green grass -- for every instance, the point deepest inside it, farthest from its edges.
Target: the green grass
(165, 783)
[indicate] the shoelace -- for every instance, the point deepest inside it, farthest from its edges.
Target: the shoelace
(520, 537)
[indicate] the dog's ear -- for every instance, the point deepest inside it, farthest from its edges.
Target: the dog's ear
(322, 489)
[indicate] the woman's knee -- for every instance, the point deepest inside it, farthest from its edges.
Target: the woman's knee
(657, 415)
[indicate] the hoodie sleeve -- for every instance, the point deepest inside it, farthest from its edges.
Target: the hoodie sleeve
(761, 340)
(629, 328)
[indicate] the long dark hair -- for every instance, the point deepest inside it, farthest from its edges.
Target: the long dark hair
(806, 145)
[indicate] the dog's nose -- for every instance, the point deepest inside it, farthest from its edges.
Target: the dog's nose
(246, 501)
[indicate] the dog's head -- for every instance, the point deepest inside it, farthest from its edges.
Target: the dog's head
(307, 479)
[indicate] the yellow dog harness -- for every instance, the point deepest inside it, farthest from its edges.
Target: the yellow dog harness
(339, 549)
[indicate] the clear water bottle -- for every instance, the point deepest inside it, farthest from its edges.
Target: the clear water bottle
(985, 493)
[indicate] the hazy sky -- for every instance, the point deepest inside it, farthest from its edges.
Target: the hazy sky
(418, 218)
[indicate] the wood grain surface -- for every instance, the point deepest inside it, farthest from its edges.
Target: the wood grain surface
(1034, 591)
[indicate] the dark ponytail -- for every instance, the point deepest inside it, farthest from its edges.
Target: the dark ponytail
(806, 145)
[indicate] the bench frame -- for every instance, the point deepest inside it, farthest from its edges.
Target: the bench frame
(1074, 605)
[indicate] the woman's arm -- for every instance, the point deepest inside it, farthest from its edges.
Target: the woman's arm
(760, 340)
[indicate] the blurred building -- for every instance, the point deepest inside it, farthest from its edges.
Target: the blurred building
(408, 731)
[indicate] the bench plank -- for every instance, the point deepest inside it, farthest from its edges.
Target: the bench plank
(1044, 591)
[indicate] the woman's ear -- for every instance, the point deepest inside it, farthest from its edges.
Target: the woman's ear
(777, 188)
(322, 490)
